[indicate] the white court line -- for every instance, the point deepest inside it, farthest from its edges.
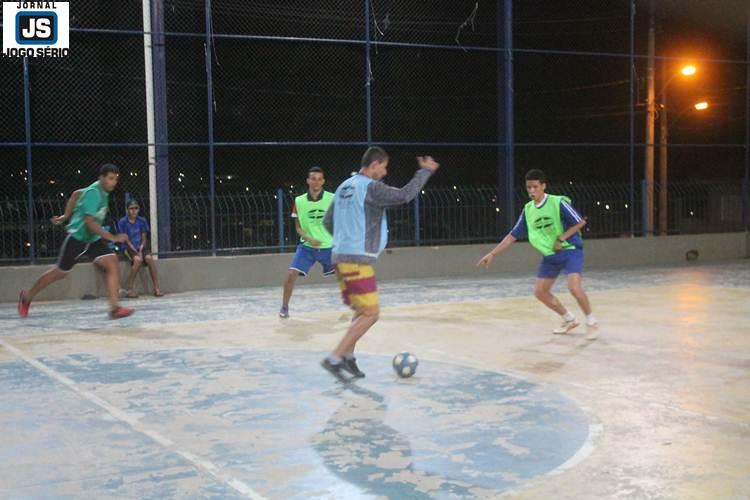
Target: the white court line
(595, 428)
(199, 463)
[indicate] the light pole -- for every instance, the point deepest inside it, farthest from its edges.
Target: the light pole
(687, 70)
(650, 122)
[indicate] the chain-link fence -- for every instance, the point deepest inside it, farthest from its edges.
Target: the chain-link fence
(247, 96)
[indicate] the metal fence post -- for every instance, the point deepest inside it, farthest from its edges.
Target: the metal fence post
(29, 169)
(280, 218)
(161, 119)
(417, 225)
(632, 119)
(746, 177)
(644, 207)
(368, 73)
(208, 50)
(148, 71)
(509, 122)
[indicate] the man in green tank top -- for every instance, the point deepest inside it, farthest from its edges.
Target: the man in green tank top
(86, 210)
(552, 226)
(316, 242)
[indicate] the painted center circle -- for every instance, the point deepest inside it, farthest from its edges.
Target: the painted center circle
(279, 422)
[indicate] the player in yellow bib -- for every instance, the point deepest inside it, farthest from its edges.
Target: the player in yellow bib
(315, 241)
(552, 226)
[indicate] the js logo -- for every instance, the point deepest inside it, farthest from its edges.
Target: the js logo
(36, 28)
(544, 223)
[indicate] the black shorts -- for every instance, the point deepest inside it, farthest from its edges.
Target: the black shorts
(130, 254)
(72, 250)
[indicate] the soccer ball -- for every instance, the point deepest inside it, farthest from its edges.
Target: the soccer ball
(405, 364)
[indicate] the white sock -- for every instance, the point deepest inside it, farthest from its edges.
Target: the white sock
(333, 359)
(591, 320)
(349, 356)
(568, 317)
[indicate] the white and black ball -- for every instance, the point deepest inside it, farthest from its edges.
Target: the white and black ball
(405, 364)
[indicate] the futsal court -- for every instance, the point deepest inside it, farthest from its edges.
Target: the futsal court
(211, 395)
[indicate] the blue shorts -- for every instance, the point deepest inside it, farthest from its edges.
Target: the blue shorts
(306, 257)
(569, 261)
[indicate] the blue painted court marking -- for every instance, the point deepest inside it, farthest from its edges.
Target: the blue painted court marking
(214, 305)
(133, 422)
(275, 424)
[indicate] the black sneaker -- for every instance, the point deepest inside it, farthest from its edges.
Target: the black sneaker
(350, 365)
(334, 369)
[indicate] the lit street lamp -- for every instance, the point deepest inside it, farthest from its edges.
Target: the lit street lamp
(700, 106)
(688, 70)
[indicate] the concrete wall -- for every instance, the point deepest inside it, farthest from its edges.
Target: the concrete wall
(196, 273)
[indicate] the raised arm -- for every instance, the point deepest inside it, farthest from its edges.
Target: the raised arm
(381, 194)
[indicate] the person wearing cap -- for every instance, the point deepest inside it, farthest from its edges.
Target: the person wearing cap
(138, 251)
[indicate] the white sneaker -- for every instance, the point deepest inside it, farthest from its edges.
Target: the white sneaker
(566, 327)
(592, 329)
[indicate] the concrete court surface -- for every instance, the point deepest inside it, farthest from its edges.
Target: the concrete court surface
(211, 395)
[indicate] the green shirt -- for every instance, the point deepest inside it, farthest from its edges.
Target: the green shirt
(311, 213)
(545, 225)
(94, 201)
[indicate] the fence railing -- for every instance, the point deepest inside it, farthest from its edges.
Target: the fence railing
(260, 222)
